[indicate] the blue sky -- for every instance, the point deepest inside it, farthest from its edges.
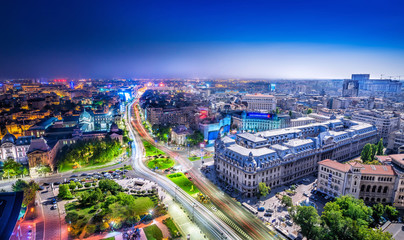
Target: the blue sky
(152, 38)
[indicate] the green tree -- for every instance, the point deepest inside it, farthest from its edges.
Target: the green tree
(391, 213)
(19, 185)
(380, 147)
(309, 111)
(64, 192)
(72, 217)
(287, 201)
(12, 168)
(366, 152)
(44, 170)
(195, 138)
(277, 110)
(72, 185)
(263, 189)
(378, 211)
(109, 185)
(30, 193)
(308, 220)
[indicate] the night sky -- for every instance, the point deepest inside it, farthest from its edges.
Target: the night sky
(218, 38)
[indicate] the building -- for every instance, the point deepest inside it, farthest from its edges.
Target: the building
(376, 87)
(372, 183)
(256, 121)
(170, 116)
(302, 121)
(281, 156)
(260, 102)
(179, 135)
(396, 141)
(350, 88)
(13, 148)
(386, 122)
(38, 130)
(212, 128)
(90, 121)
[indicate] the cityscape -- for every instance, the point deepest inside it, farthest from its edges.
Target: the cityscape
(238, 120)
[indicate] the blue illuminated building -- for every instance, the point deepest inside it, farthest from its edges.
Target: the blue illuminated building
(211, 128)
(256, 121)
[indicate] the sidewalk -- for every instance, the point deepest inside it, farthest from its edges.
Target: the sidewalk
(182, 220)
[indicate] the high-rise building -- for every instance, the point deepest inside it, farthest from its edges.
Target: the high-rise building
(260, 102)
(376, 87)
(350, 88)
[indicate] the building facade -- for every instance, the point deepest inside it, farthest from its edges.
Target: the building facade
(170, 116)
(260, 102)
(386, 122)
(372, 183)
(281, 156)
(13, 148)
(396, 141)
(255, 121)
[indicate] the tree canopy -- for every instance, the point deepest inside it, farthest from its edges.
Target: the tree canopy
(263, 189)
(345, 218)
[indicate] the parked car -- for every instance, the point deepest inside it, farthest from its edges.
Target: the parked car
(287, 216)
(282, 218)
(269, 210)
(268, 214)
(305, 194)
(84, 174)
(289, 223)
(261, 209)
(73, 176)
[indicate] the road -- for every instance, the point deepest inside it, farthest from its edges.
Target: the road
(209, 222)
(254, 228)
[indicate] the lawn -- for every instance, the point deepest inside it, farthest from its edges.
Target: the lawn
(143, 205)
(174, 232)
(183, 182)
(198, 158)
(160, 163)
(153, 232)
(151, 150)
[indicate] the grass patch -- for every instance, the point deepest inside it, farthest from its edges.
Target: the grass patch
(198, 158)
(110, 238)
(183, 182)
(160, 163)
(143, 205)
(174, 232)
(151, 150)
(153, 232)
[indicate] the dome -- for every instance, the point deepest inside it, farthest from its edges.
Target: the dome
(85, 116)
(8, 138)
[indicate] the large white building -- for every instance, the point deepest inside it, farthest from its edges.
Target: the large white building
(280, 156)
(260, 102)
(13, 148)
(386, 122)
(371, 183)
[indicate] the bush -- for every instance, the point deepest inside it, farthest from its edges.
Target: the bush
(87, 185)
(71, 217)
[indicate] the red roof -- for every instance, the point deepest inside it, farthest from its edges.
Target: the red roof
(378, 169)
(398, 158)
(335, 165)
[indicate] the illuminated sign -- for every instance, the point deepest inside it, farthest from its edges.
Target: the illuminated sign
(259, 115)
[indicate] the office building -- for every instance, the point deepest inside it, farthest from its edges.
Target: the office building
(281, 156)
(260, 102)
(386, 122)
(256, 121)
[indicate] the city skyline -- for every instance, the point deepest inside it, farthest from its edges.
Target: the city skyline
(309, 40)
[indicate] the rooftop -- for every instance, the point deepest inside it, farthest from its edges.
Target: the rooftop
(335, 165)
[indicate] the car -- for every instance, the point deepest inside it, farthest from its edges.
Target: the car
(45, 184)
(55, 206)
(41, 188)
(261, 209)
(84, 174)
(269, 210)
(73, 176)
(282, 218)
(289, 223)
(305, 194)
(56, 183)
(103, 173)
(268, 214)
(287, 216)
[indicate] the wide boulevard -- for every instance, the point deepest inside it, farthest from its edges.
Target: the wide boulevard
(249, 227)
